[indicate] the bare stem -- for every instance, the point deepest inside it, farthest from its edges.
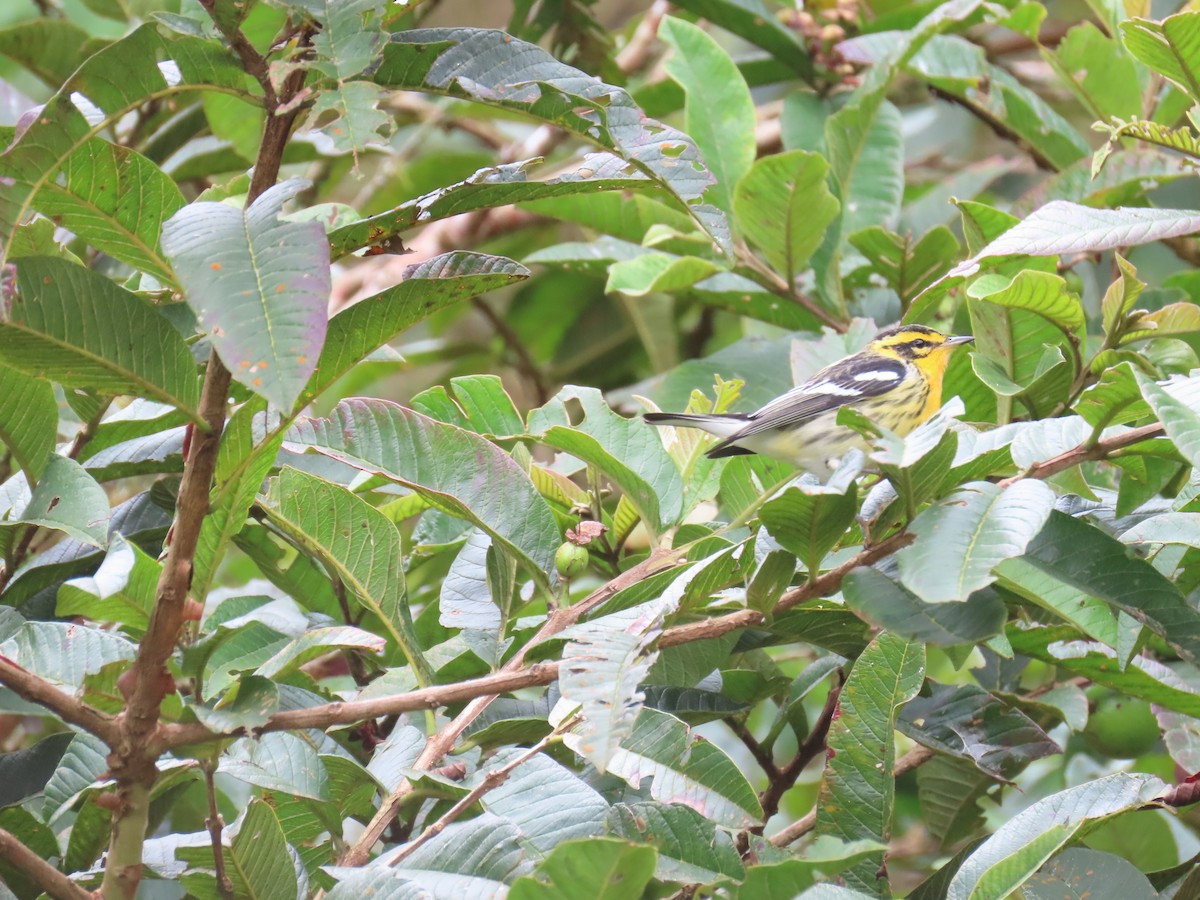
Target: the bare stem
(214, 823)
(492, 780)
(37, 870)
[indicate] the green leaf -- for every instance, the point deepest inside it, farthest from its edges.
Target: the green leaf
(683, 769)
(784, 206)
(547, 801)
(964, 537)
(753, 21)
(908, 266)
(69, 500)
(949, 790)
(883, 602)
(1165, 528)
(356, 542)
(432, 285)
(626, 450)
(1021, 845)
(116, 200)
(259, 285)
(72, 325)
(494, 186)
(1113, 400)
(455, 470)
(122, 590)
(1174, 403)
(116, 80)
(1172, 319)
(959, 68)
(857, 790)
(1061, 228)
(278, 761)
(50, 48)
(257, 860)
(1080, 556)
(1079, 872)
(1094, 66)
(691, 849)
(1170, 47)
(350, 38)
(65, 653)
(1038, 292)
(592, 869)
(493, 68)
(602, 667)
(652, 272)
(23, 773)
(318, 642)
(810, 520)
(351, 117)
(719, 114)
(967, 722)
(243, 461)
(824, 858)
(28, 420)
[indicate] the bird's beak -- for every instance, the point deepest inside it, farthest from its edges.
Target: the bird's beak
(955, 339)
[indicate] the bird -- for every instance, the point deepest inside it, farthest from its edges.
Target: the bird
(895, 381)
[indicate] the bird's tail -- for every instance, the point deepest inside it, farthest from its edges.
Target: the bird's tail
(722, 426)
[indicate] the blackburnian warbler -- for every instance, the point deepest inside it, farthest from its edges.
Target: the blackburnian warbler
(895, 381)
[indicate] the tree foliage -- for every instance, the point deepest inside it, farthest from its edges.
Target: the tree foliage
(337, 560)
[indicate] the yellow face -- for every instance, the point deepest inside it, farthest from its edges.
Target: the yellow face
(928, 349)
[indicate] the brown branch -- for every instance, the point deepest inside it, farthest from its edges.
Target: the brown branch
(813, 744)
(214, 823)
(1083, 453)
(252, 61)
(36, 689)
(148, 681)
(634, 55)
(442, 742)
(764, 759)
(525, 362)
(40, 872)
(1001, 129)
(492, 780)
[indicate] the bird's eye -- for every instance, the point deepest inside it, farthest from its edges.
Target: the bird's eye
(919, 344)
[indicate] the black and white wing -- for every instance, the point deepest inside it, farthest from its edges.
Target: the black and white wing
(847, 381)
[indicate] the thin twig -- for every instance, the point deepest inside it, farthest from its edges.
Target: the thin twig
(40, 872)
(525, 362)
(442, 742)
(492, 780)
(634, 55)
(757, 750)
(36, 689)
(148, 681)
(1083, 453)
(1001, 129)
(813, 744)
(214, 823)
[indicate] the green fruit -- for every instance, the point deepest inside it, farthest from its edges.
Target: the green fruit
(571, 560)
(1120, 727)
